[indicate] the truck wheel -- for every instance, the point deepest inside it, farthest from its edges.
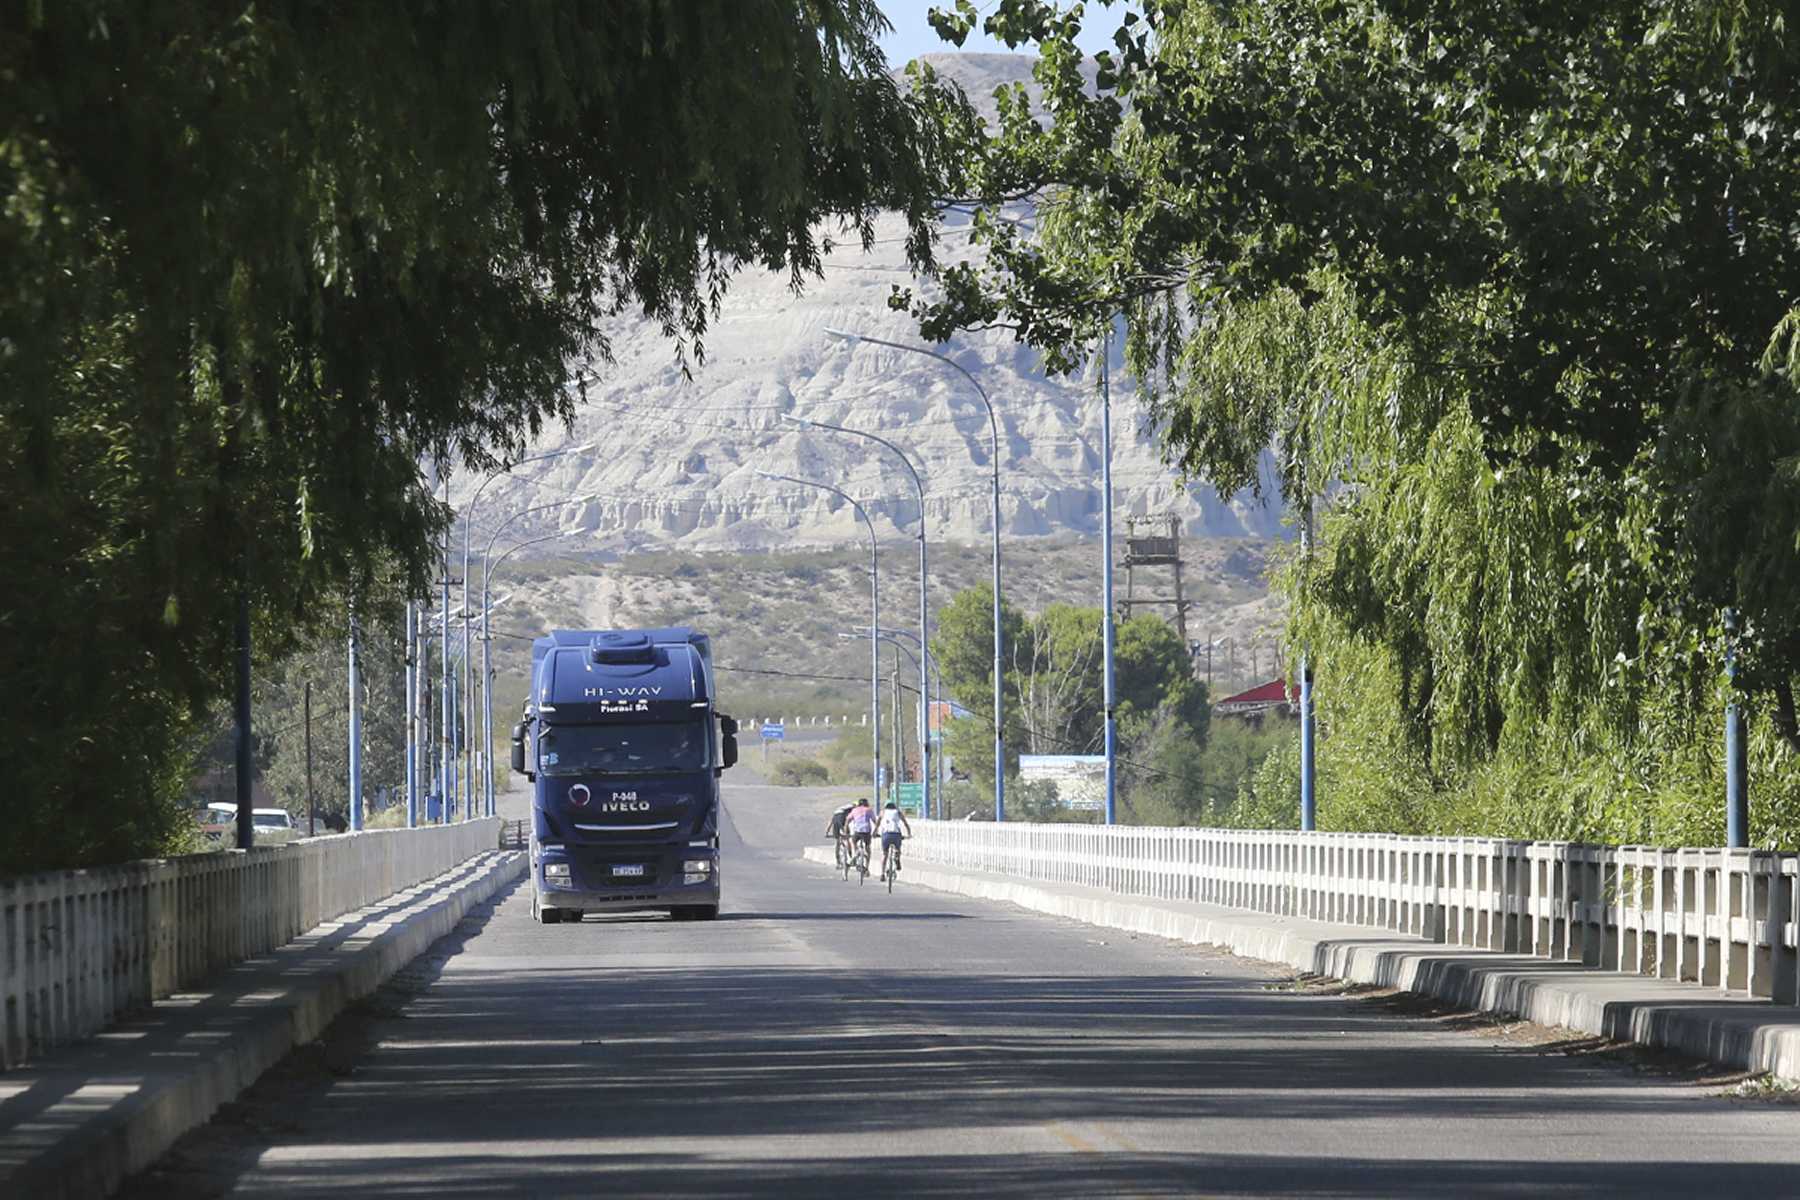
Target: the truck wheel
(549, 916)
(695, 912)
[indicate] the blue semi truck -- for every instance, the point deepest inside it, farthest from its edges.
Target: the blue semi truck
(624, 751)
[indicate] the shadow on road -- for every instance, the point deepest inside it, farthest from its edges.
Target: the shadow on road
(594, 1087)
(447, 1172)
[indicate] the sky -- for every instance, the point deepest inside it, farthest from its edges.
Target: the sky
(912, 34)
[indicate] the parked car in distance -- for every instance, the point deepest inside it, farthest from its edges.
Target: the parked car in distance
(218, 822)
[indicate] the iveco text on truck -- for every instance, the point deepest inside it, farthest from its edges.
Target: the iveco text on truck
(624, 751)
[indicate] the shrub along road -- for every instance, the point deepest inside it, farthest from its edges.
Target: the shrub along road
(828, 1039)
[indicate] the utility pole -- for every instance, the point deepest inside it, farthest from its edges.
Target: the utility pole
(1106, 600)
(246, 824)
(427, 702)
(356, 796)
(899, 763)
(447, 751)
(312, 804)
(1308, 795)
(411, 704)
(1737, 766)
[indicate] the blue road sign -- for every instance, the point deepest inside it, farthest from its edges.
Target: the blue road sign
(773, 731)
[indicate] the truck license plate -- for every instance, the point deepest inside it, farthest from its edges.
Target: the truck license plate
(632, 869)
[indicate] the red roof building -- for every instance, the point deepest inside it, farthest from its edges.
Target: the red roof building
(1259, 699)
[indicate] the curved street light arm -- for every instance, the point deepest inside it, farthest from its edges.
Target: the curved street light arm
(994, 432)
(924, 613)
(467, 616)
(487, 663)
(874, 620)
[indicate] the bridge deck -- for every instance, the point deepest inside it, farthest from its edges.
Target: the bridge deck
(825, 1039)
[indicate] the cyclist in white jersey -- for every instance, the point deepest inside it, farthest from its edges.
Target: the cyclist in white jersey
(893, 821)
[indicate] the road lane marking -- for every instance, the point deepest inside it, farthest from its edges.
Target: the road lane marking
(1072, 1139)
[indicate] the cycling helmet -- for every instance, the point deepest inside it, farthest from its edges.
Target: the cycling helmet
(891, 804)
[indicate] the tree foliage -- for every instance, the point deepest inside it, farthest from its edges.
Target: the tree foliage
(257, 263)
(1513, 287)
(1053, 684)
(324, 662)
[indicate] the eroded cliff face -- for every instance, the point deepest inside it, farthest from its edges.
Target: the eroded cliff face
(674, 459)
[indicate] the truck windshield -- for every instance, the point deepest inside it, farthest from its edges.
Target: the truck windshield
(622, 749)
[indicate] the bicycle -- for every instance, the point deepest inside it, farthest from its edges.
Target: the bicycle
(843, 857)
(862, 863)
(890, 867)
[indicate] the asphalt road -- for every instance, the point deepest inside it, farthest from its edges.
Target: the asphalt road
(825, 1039)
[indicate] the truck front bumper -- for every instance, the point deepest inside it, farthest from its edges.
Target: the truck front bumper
(608, 879)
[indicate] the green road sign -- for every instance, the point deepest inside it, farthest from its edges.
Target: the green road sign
(909, 796)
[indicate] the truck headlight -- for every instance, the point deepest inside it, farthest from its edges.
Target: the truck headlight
(696, 870)
(557, 873)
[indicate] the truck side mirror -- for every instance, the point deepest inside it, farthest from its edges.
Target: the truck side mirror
(728, 752)
(518, 749)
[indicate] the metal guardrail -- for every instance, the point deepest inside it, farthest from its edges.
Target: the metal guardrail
(80, 948)
(1722, 918)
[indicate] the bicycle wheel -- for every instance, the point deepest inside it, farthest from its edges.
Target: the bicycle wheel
(889, 872)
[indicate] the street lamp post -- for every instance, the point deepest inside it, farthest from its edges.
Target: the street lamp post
(1109, 697)
(487, 660)
(487, 751)
(486, 555)
(411, 705)
(924, 614)
(1309, 800)
(446, 764)
(899, 649)
(937, 684)
(999, 674)
(874, 623)
(355, 665)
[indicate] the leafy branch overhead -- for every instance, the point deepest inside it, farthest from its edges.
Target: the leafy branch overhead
(1515, 287)
(257, 264)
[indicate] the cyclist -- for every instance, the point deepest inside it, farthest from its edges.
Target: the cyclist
(861, 820)
(892, 822)
(838, 831)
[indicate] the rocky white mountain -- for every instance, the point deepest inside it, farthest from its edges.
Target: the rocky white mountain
(674, 461)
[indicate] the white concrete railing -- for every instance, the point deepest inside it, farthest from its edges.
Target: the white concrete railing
(80, 948)
(1723, 918)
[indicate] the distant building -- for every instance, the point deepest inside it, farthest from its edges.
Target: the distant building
(1260, 701)
(1080, 778)
(940, 713)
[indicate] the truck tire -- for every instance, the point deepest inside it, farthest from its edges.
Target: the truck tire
(549, 916)
(695, 912)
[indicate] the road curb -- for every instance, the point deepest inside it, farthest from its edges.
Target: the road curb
(126, 1095)
(1753, 1035)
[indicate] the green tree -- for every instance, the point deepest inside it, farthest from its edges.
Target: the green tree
(324, 662)
(1513, 284)
(1054, 686)
(1056, 668)
(257, 264)
(964, 649)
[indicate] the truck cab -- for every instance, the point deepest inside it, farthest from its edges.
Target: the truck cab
(624, 751)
